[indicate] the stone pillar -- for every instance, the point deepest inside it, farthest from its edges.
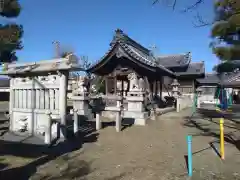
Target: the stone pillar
(33, 102)
(11, 103)
(98, 121)
(63, 102)
(75, 121)
(118, 121)
(48, 130)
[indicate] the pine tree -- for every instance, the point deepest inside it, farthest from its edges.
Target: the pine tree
(10, 34)
(226, 31)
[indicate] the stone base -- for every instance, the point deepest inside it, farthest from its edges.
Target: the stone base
(84, 114)
(109, 114)
(12, 137)
(139, 118)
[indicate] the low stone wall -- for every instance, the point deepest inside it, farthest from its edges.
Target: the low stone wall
(183, 102)
(207, 99)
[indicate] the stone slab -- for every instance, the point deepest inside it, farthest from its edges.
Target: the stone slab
(25, 139)
(140, 118)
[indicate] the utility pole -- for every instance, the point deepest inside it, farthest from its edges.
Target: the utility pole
(57, 48)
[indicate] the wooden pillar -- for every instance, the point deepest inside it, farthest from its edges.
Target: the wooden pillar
(115, 83)
(154, 87)
(161, 87)
(193, 86)
(122, 91)
(106, 85)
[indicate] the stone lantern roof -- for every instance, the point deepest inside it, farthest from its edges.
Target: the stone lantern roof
(175, 83)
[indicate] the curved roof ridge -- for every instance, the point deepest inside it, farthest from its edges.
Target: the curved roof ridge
(200, 62)
(121, 36)
(144, 59)
(99, 60)
(139, 56)
(177, 54)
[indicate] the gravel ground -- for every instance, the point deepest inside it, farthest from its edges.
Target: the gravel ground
(154, 152)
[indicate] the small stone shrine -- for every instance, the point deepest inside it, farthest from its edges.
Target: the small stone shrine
(38, 99)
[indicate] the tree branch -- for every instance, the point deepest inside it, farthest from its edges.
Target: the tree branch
(173, 3)
(193, 6)
(200, 21)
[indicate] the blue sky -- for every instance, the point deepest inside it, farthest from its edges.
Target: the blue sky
(87, 26)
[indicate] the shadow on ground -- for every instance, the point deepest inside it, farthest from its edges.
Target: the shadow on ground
(43, 154)
(125, 123)
(206, 130)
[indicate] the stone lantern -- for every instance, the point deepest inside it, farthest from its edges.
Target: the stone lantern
(175, 85)
(199, 91)
(80, 101)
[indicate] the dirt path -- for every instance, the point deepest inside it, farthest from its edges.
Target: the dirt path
(153, 152)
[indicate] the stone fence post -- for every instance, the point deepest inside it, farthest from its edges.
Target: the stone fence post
(48, 130)
(118, 121)
(98, 121)
(75, 121)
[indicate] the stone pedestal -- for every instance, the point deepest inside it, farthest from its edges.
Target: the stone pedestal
(135, 108)
(81, 104)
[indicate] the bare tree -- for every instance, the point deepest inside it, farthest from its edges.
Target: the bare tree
(173, 4)
(194, 5)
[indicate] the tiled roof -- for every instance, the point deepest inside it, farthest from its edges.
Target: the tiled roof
(134, 50)
(218, 79)
(209, 79)
(193, 68)
(121, 36)
(174, 60)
